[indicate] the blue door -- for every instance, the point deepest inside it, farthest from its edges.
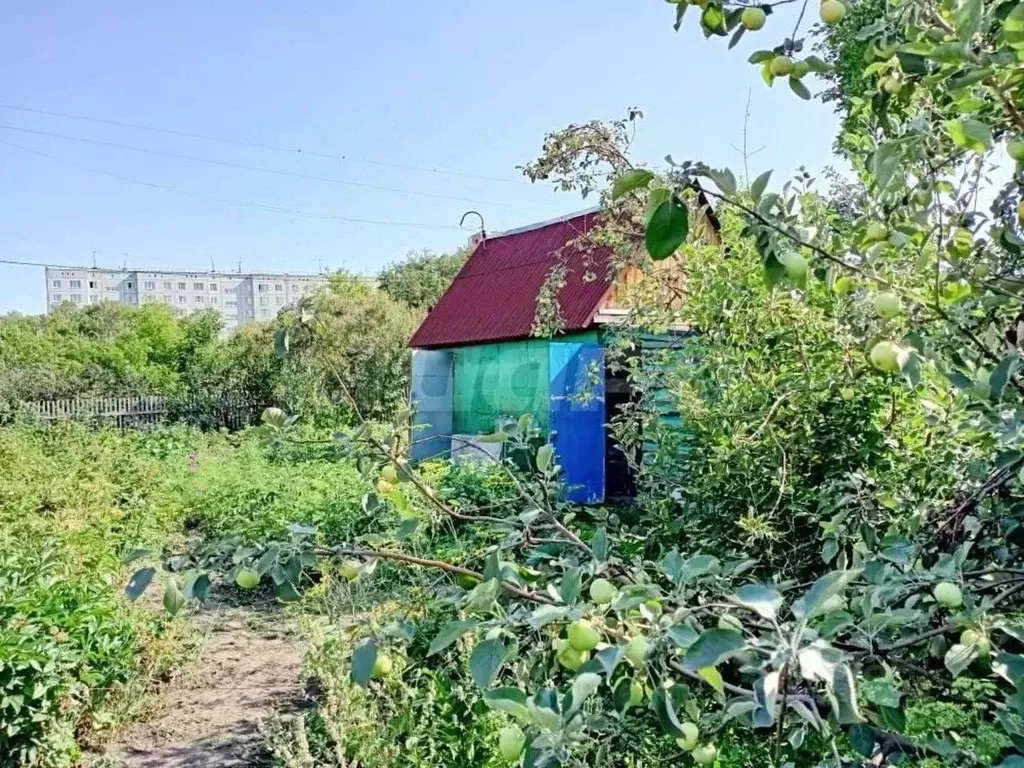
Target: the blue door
(577, 417)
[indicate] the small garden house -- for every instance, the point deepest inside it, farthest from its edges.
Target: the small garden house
(478, 362)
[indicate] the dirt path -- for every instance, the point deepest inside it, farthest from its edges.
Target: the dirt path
(248, 667)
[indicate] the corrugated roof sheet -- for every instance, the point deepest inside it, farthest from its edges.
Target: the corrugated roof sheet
(494, 296)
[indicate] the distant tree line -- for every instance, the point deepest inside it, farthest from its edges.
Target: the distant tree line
(109, 349)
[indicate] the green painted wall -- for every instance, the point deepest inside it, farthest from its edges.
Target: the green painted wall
(503, 380)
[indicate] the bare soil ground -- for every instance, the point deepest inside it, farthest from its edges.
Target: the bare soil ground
(248, 667)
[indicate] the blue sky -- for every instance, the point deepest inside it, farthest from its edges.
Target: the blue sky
(462, 86)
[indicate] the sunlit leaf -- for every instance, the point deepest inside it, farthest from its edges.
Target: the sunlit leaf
(631, 180)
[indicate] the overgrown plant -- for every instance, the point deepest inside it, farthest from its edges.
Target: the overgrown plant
(570, 628)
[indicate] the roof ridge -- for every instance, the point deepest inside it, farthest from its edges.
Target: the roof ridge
(547, 223)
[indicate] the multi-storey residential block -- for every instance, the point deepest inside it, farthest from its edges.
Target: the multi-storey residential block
(239, 298)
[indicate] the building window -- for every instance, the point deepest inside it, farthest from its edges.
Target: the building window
(56, 283)
(92, 283)
(76, 298)
(200, 299)
(56, 298)
(231, 303)
(213, 299)
(94, 299)
(111, 289)
(213, 287)
(278, 287)
(167, 286)
(262, 287)
(75, 283)
(150, 285)
(264, 300)
(181, 286)
(131, 285)
(181, 299)
(166, 297)
(265, 312)
(280, 300)
(197, 286)
(131, 300)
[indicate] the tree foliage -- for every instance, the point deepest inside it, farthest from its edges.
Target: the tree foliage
(421, 277)
(855, 393)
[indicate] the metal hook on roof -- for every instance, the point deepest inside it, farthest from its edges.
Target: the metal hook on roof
(483, 232)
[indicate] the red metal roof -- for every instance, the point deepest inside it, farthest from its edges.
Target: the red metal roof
(494, 296)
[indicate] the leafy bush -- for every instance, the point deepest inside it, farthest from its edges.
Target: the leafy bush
(70, 648)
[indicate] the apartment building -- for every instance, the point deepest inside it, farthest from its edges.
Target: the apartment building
(239, 298)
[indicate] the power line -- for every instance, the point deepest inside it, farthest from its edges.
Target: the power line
(170, 270)
(268, 147)
(274, 171)
(231, 203)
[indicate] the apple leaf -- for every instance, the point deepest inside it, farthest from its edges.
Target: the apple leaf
(486, 660)
(448, 634)
(970, 134)
(799, 88)
(667, 228)
(138, 583)
(760, 598)
(631, 180)
(758, 186)
(363, 658)
(713, 646)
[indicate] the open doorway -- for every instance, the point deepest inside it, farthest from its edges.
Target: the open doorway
(620, 477)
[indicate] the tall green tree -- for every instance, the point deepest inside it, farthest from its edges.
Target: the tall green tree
(422, 277)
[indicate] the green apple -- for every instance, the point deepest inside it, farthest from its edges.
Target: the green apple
(654, 606)
(977, 639)
(511, 741)
(887, 304)
(572, 659)
(636, 650)
(800, 68)
(466, 581)
(1016, 150)
(885, 356)
(892, 85)
(948, 594)
(583, 636)
(247, 578)
(349, 571)
(832, 12)
(781, 66)
(753, 18)
(687, 740)
(705, 755)
(876, 231)
(796, 266)
(389, 474)
(847, 393)
(923, 197)
(381, 666)
(844, 285)
(602, 591)
(636, 693)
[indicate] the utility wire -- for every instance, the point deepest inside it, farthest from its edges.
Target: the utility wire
(170, 270)
(233, 204)
(257, 145)
(274, 171)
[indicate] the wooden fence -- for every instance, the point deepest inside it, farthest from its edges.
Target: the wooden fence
(140, 410)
